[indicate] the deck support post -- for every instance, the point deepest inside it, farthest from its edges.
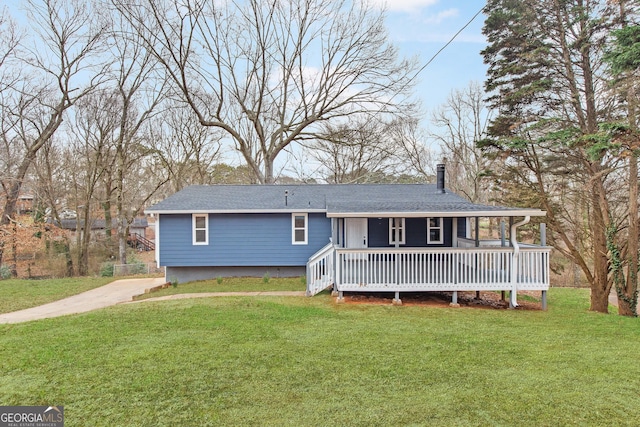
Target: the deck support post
(502, 295)
(397, 300)
(454, 300)
(340, 299)
(477, 295)
(544, 300)
(512, 300)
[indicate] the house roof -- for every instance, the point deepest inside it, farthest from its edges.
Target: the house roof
(336, 200)
(96, 224)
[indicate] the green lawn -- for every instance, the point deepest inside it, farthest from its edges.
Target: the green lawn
(17, 294)
(273, 361)
(232, 284)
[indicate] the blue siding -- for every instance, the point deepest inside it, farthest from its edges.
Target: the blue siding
(378, 231)
(240, 240)
(416, 233)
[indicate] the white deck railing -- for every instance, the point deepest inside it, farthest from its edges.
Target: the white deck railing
(442, 269)
(320, 270)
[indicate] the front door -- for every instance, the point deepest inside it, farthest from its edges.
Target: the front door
(356, 233)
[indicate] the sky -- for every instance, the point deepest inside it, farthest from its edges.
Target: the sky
(423, 27)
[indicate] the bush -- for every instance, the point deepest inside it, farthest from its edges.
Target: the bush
(138, 268)
(266, 277)
(219, 280)
(106, 270)
(5, 272)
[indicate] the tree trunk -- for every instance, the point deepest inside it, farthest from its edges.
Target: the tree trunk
(68, 259)
(599, 300)
(600, 283)
(83, 246)
(628, 297)
(14, 250)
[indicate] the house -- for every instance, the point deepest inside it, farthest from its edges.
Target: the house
(363, 237)
(98, 227)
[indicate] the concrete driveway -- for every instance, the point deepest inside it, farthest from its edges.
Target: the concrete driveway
(104, 296)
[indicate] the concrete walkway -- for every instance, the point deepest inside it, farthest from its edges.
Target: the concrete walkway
(104, 296)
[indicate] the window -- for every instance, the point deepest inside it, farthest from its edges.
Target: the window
(434, 231)
(200, 229)
(396, 231)
(299, 228)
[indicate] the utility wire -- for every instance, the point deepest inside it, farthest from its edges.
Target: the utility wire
(446, 45)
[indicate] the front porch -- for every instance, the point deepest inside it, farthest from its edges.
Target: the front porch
(422, 270)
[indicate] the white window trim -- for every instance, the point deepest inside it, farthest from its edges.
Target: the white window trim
(293, 228)
(206, 229)
(392, 233)
(429, 228)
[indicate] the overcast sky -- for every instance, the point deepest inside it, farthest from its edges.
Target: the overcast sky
(423, 27)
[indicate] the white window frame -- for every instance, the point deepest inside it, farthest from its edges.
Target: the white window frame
(294, 228)
(440, 227)
(194, 229)
(393, 231)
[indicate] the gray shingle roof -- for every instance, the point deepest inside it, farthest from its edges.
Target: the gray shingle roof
(334, 199)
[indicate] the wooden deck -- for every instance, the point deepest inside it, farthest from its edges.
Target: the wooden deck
(434, 269)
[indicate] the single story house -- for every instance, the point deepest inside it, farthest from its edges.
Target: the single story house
(361, 237)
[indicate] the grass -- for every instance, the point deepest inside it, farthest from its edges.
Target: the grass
(232, 284)
(276, 361)
(17, 294)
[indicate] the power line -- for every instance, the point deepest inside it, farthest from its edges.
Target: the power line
(446, 45)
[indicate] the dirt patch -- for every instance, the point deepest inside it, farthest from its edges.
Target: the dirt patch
(488, 300)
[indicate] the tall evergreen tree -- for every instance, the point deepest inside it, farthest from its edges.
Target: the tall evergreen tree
(550, 86)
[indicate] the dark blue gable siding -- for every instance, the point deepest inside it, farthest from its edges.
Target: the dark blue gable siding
(240, 240)
(416, 228)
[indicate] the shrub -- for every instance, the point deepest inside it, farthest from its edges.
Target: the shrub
(106, 270)
(174, 282)
(266, 277)
(219, 280)
(138, 268)
(5, 272)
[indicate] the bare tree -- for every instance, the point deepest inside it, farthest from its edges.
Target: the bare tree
(415, 147)
(356, 152)
(185, 150)
(267, 73)
(138, 91)
(56, 185)
(458, 125)
(58, 61)
(91, 155)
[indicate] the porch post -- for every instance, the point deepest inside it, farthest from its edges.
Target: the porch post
(510, 229)
(336, 279)
(477, 232)
(543, 234)
(477, 246)
(503, 243)
(454, 300)
(397, 300)
(454, 232)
